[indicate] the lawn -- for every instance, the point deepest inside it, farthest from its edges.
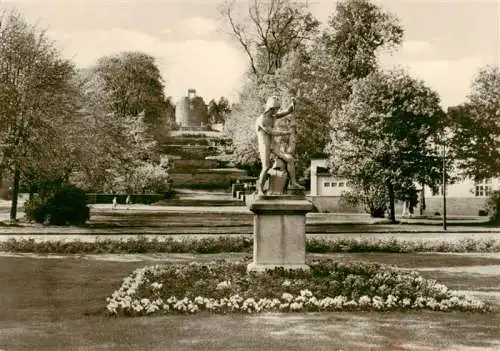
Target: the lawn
(58, 303)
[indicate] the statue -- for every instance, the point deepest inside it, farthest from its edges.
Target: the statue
(275, 143)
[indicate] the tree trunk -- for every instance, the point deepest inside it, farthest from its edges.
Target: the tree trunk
(15, 193)
(422, 200)
(392, 210)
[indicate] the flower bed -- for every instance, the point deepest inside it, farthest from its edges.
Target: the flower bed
(242, 244)
(223, 287)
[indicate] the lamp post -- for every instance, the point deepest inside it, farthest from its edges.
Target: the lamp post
(444, 185)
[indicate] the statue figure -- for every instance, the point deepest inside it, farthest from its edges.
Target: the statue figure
(273, 142)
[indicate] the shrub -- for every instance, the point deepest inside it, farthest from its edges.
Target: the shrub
(35, 209)
(68, 205)
(494, 207)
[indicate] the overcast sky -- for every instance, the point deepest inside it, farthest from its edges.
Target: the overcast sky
(446, 41)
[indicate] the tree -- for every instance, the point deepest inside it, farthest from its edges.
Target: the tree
(134, 83)
(357, 31)
(384, 136)
(218, 111)
(475, 127)
(319, 74)
(36, 95)
(269, 30)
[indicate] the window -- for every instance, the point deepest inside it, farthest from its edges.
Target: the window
(341, 184)
(334, 184)
(483, 188)
(327, 184)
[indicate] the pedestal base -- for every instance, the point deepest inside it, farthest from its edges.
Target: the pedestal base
(279, 232)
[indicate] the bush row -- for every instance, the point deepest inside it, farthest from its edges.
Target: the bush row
(142, 244)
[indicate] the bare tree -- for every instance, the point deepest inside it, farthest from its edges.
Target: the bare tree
(268, 30)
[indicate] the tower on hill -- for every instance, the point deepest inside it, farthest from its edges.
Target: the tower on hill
(191, 112)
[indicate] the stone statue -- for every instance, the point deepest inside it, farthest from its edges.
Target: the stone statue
(275, 143)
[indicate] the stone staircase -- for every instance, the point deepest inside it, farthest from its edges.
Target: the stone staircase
(190, 163)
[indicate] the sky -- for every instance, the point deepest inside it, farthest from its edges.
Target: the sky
(445, 42)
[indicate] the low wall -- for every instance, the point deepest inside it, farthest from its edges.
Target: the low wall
(333, 204)
(336, 204)
(469, 206)
(120, 198)
(214, 178)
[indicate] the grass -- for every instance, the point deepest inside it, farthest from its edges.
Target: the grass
(52, 304)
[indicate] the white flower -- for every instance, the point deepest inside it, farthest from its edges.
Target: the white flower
(391, 301)
(365, 301)
(432, 303)
(156, 286)
(306, 293)
(287, 297)
(351, 303)
(284, 306)
(378, 303)
(296, 306)
(339, 301)
(198, 300)
(300, 299)
(226, 284)
(286, 283)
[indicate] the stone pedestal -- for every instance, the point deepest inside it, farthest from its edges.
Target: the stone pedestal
(279, 232)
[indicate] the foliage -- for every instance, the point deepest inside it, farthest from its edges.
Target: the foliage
(149, 177)
(383, 136)
(134, 82)
(35, 209)
(269, 30)
(475, 127)
(318, 73)
(224, 287)
(372, 197)
(222, 244)
(67, 205)
(218, 111)
(37, 97)
(116, 145)
(494, 208)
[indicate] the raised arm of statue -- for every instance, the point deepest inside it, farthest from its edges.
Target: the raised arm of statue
(286, 112)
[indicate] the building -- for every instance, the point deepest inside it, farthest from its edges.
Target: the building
(463, 198)
(326, 190)
(191, 112)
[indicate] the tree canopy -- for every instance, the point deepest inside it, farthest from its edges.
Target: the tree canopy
(319, 73)
(36, 97)
(133, 83)
(384, 136)
(475, 127)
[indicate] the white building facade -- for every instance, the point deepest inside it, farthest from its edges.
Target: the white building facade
(463, 198)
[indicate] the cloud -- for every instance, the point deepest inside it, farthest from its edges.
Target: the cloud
(417, 48)
(213, 68)
(199, 25)
(166, 31)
